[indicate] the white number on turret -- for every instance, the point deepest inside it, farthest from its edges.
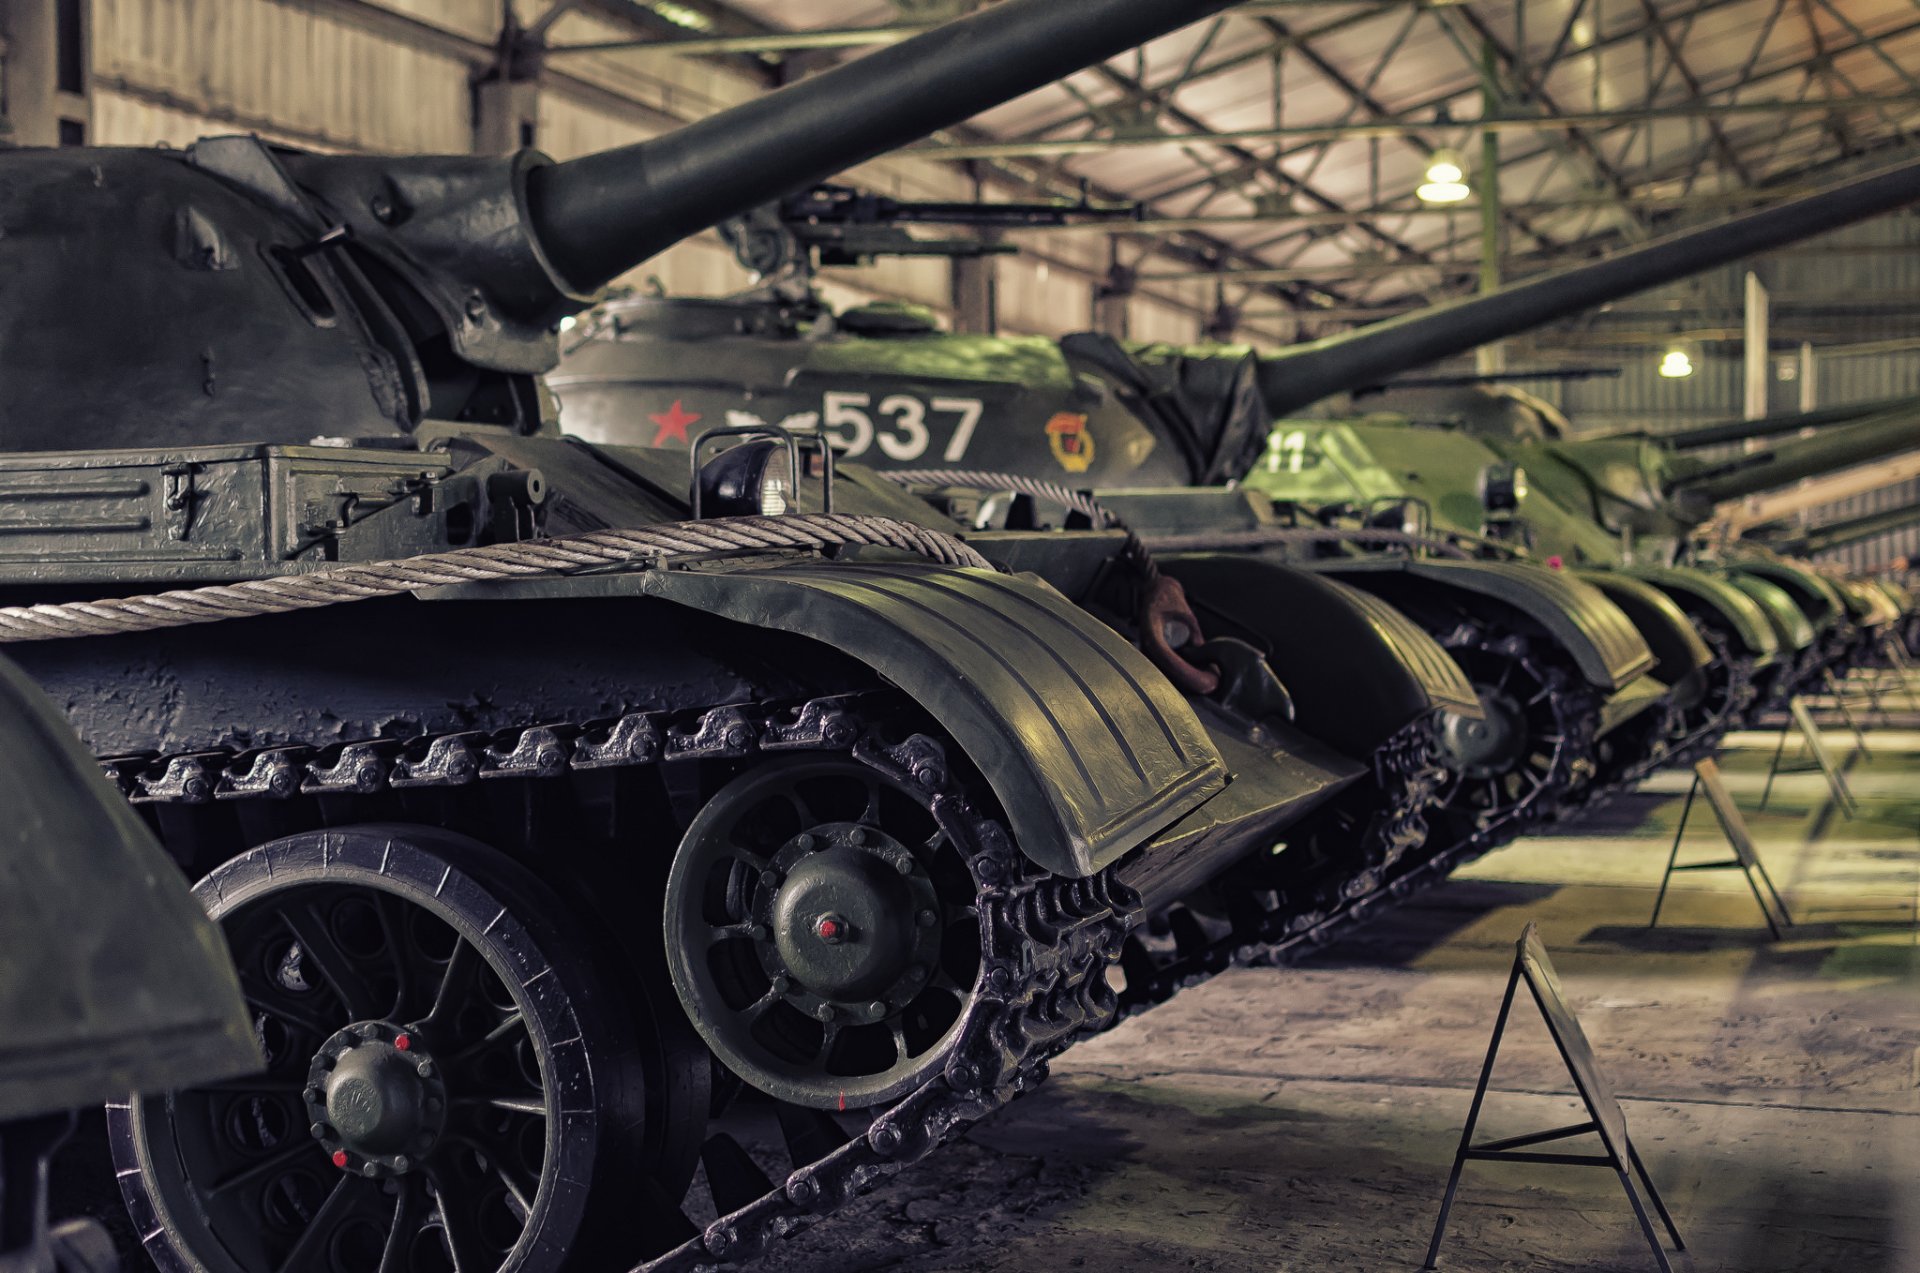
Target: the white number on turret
(899, 425)
(1287, 451)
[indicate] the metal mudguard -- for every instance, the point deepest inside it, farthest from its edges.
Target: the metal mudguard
(114, 980)
(1603, 642)
(1792, 630)
(1664, 625)
(1817, 599)
(1087, 746)
(1358, 670)
(1868, 606)
(1742, 615)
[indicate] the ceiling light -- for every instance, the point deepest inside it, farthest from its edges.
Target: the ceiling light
(1446, 178)
(1677, 362)
(682, 15)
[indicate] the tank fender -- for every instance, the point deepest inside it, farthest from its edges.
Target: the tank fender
(1793, 630)
(1742, 616)
(1089, 749)
(1817, 598)
(1603, 642)
(1359, 671)
(1668, 632)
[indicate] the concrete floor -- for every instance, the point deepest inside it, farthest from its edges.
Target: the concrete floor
(1305, 1120)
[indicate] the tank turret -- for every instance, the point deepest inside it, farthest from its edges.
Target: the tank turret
(276, 296)
(1634, 485)
(1105, 411)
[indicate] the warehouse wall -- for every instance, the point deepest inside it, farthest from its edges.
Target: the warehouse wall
(394, 77)
(1856, 286)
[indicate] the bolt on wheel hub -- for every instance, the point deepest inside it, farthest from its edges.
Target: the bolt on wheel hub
(376, 1099)
(841, 923)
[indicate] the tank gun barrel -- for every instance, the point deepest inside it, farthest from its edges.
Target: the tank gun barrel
(597, 216)
(1889, 433)
(1774, 425)
(1307, 373)
(1852, 531)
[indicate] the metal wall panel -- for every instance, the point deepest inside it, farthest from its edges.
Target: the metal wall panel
(1641, 398)
(1875, 553)
(256, 65)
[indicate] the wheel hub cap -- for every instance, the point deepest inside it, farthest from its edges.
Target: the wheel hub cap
(1487, 747)
(846, 923)
(376, 1099)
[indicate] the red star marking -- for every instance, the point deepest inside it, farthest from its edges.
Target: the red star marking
(673, 423)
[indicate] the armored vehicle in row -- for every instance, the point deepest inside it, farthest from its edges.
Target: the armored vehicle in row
(547, 792)
(1563, 664)
(1613, 506)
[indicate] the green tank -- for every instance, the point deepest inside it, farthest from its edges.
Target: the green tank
(1142, 426)
(1813, 541)
(546, 794)
(113, 982)
(1623, 502)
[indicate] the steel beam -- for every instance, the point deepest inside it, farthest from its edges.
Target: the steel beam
(1396, 128)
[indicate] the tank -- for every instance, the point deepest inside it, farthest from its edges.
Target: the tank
(548, 795)
(1625, 503)
(114, 980)
(891, 391)
(1814, 541)
(1087, 408)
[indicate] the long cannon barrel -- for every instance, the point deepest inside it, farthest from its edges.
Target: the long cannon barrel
(1852, 531)
(1891, 433)
(1774, 425)
(1307, 373)
(598, 216)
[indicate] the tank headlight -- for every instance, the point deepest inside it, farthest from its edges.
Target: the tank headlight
(753, 479)
(1502, 488)
(758, 475)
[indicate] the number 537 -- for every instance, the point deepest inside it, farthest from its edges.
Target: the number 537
(898, 424)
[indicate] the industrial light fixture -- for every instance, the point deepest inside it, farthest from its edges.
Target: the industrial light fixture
(1677, 362)
(1446, 178)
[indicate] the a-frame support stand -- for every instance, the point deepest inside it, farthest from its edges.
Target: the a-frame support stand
(1604, 1116)
(1801, 719)
(1746, 855)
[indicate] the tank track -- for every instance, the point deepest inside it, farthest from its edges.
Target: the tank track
(1047, 943)
(1270, 929)
(1269, 926)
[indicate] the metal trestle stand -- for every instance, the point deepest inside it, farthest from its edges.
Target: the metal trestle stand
(1746, 856)
(1801, 719)
(1604, 1116)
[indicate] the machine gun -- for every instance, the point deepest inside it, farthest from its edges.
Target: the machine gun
(833, 225)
